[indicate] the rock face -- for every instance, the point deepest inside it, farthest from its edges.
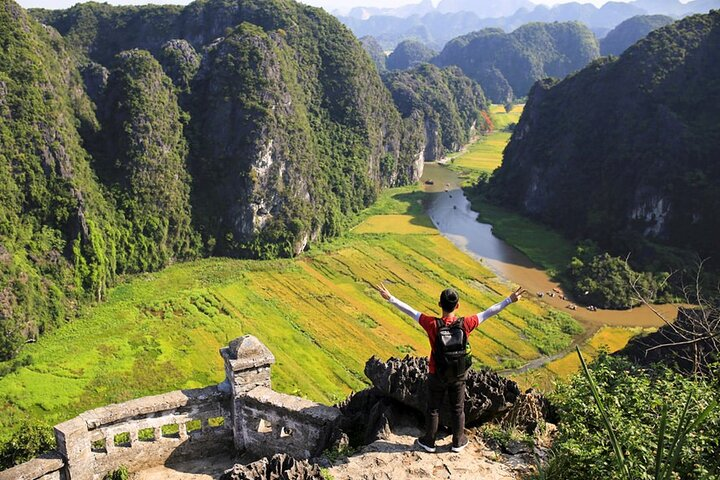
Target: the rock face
(487, 394)
(134, 137)
(370, 415)
(278, 467)
(375, 50)
(180, 62)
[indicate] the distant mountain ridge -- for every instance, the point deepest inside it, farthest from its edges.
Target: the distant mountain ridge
(437, 27)
(506, 65)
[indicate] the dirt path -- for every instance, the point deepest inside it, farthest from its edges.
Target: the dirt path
(396, 458)
(206, 468)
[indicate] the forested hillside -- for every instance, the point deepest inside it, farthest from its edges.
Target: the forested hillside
(443, 105)
(506, 65)
(139, 136)
(639, 160)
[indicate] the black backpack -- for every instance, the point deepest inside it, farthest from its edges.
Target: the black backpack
(452, 350)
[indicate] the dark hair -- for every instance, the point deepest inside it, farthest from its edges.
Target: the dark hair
(449, 299)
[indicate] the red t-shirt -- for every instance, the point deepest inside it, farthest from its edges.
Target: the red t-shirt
(430, 325)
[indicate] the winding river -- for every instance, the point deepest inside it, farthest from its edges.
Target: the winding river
(451, 213)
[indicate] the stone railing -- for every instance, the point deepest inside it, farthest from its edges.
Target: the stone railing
(243, 413)
(145, 432)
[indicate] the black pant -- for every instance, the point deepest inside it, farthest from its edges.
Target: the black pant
(455, 388)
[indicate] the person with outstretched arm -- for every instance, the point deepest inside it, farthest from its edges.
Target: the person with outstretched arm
(442, 378)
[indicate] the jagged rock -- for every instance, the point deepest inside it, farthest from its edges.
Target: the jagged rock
(180, 62)
(528, 411)
(95, 77)
(370, 415)
(515, 447)
(487, 394)
(278, 467)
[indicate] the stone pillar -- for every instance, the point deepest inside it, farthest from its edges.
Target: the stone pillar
(74, 444)
(247, 365)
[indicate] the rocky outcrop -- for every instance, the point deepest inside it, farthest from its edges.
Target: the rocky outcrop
(487, 394)
(180, 62)
(529, 411)
(280, 466)
(442, 106)
(370, 415)
(95, 78)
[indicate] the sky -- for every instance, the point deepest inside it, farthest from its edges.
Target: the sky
(329, 5)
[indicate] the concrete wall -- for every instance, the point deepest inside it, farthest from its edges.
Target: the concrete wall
(44, 467)
(273, 422)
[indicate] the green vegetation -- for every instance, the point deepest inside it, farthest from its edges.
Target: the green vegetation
(180, 62)
(376, 52)
(409, 54)
(121, 473)
(544, 246)
(142, 160)
(485, 155)
(28, 440)
(287, 133)
(57, 228)
(605, 340)
(651, 412)
(507, 64)
(605, 281)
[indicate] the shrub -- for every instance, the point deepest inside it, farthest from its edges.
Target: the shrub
(634, 399)
(29, 441)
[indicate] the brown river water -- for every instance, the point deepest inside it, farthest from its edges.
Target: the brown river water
(451, 213)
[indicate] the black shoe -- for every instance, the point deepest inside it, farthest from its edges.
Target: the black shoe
(427, 448)
(463, 443)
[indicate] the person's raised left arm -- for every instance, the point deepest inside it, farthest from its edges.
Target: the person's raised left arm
(498, 307)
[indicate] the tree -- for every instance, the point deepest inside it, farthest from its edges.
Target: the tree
(691, 343)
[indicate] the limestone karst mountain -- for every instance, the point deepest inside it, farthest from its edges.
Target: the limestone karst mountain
(639, 159)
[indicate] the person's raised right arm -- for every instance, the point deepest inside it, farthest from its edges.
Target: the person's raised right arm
(400, 305)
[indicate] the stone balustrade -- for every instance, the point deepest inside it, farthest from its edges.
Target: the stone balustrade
(242, 413)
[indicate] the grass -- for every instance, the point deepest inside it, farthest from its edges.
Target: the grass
(545, 247)
(610, 339)
(486, 154)
(319, 314)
